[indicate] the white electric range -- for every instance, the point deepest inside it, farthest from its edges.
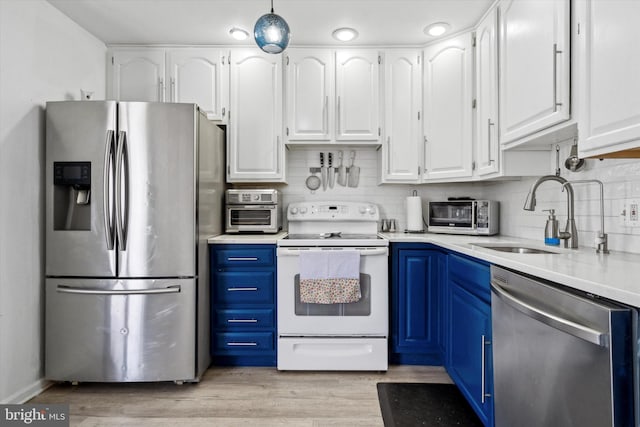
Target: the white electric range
(333, 336)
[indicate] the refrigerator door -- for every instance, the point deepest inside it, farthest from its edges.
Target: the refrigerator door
(155, 190)
(120, 330)
(79, 232)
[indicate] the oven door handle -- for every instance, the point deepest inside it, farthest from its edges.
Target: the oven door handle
(363, 252)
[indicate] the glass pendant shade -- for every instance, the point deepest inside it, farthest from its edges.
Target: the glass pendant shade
(271, 33)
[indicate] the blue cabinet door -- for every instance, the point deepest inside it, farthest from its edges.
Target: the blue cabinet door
(468, 356)
(416, 308)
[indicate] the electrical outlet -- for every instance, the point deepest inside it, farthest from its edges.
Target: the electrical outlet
(631, 213)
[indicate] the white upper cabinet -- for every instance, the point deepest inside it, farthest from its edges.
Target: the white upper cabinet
(199, 75)
(401, 147)
(486, 139)
(609, 77)
(534, 66)
(255, 148)
(332, 96)
(137, 75)
(448, 145)
(196, 75)
(310, 95)
(357, 95)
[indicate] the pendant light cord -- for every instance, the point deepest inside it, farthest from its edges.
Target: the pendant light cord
(271, 6)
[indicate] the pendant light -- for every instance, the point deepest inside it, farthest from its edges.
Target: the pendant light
(271, 32)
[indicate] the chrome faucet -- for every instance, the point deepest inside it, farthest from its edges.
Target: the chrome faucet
(601, 240)
(570, 233)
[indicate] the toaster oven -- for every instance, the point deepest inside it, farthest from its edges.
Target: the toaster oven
(475, 217)
(252, 211)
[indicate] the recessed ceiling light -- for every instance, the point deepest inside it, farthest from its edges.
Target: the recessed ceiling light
(345, 34)
(437, 29)
(238, 33)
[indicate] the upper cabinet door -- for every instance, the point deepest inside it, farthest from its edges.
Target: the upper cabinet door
(138, 75)
(255, 147)
(357, 95)
(402, 103)
(609, 48)
(310, 94)
(487, 144)
(199, 76)
(448, 134)
(534, 66)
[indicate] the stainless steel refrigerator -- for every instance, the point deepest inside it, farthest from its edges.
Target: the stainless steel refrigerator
(133, 190)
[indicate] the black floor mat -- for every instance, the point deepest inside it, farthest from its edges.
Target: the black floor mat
(429, 405)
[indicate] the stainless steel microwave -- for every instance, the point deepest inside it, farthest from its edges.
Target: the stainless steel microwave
(252, 211)
(475, 217)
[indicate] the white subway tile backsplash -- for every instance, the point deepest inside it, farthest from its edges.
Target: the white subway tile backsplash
(621, 178)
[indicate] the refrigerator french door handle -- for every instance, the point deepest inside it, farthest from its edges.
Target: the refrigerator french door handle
(106, 190)
(122, 138)
(82, 291)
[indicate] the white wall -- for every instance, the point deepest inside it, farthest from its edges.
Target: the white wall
(43, 56)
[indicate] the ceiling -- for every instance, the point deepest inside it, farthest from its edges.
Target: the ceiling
(207, 22)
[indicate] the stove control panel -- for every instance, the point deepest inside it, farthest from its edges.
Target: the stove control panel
(332, 211)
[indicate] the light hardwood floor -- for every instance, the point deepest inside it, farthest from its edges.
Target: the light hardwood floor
(233, 397)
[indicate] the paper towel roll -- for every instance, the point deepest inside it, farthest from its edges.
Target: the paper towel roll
(414, 213)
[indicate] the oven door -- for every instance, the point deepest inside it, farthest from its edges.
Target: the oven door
(367, 317)
(452, 214)
(252, 218)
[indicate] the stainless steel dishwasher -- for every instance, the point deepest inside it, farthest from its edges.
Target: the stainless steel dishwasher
(560, 358)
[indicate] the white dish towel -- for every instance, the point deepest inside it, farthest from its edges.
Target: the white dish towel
(329, 276)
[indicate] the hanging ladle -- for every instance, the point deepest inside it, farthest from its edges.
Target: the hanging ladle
(573, 162)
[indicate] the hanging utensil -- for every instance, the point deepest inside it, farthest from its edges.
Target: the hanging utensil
(354, 172)
(342, 170)
(323, 172)
(331, 171)
(557, 160)
(573, 162)
(312, 182)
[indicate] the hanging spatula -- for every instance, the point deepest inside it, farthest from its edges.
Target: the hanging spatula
(354, 172)
(342, 170)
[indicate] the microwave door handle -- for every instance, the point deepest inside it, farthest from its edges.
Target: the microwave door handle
(474, 209)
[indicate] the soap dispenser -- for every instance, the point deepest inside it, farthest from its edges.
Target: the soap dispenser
(551, 236)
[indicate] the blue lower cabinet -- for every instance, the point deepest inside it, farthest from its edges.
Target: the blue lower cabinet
(243, 310)
(468, 355)
(416, 305)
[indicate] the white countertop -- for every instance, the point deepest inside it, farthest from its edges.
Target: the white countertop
(247, 239)
(615, 276)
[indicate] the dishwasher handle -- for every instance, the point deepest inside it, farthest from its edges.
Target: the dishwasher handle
(575, 329)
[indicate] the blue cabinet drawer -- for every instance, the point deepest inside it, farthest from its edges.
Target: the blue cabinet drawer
(247, 256)
(243, 287)
(244, 318)
(243, 342)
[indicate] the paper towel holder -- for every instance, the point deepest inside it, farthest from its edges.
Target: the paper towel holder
(422, 230)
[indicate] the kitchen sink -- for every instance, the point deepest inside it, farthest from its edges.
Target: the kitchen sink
(515, 249)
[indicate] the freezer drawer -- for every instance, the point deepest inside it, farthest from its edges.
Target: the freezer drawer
(120, 330)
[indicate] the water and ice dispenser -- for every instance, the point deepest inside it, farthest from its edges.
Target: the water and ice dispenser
(72, 195)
